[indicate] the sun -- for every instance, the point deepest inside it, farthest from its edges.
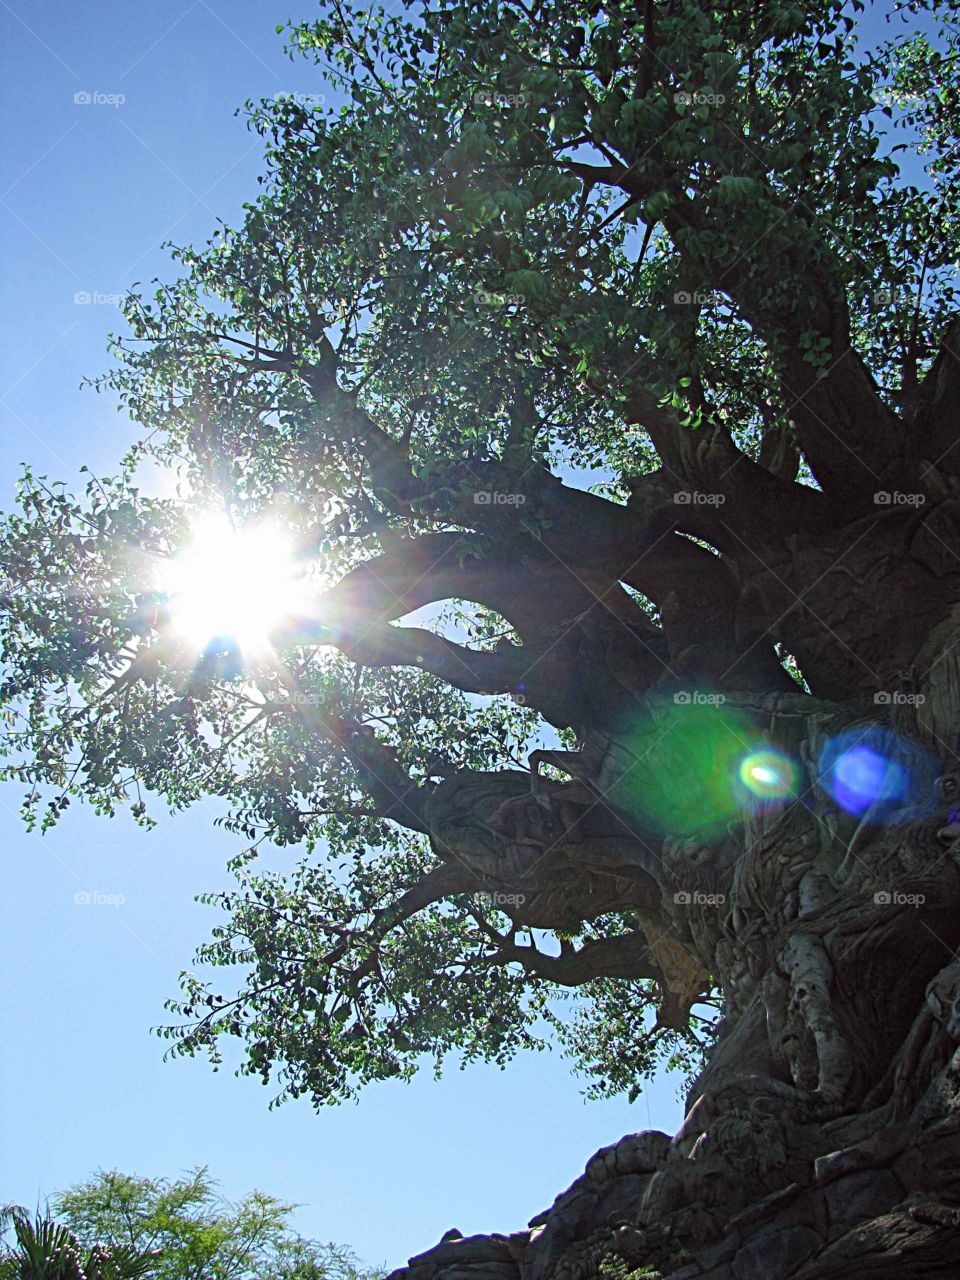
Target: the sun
(233, 584)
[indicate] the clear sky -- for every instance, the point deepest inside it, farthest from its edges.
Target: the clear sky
(89, 192)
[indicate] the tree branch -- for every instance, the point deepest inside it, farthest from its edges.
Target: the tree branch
(850, 438)
(935, 414)
(625, 955)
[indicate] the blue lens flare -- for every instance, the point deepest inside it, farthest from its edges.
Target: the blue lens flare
(876, 770)
(862, 777)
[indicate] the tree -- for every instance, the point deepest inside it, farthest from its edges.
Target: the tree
(688, 734)
(193, 1233)
(46, 1250)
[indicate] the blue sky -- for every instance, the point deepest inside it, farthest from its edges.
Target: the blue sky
(89, 192)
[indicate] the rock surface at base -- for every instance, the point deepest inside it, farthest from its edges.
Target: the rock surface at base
(884, 1208)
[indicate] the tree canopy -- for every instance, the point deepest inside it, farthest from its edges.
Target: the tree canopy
(193, 1233)
(116, 1226)
(565, 355)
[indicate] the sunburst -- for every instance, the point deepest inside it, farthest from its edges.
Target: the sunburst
(234, 584)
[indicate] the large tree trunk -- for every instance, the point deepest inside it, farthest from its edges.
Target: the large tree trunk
(823, 1137)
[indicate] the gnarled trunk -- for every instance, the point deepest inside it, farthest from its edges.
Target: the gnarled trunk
(823, 1137)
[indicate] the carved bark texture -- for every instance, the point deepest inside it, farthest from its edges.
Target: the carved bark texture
(823, 1138)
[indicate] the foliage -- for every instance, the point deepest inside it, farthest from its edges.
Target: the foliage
(193, 1233)
(46, 1250)
(531, 242)
(613, 1267)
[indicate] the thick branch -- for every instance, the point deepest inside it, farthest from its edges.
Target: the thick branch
(850, 438)
(625, 955)
(441, 882)
(373, 644)
(529, 589)
(936, 411)
(756, 503)
(393, 792)
(389, 466)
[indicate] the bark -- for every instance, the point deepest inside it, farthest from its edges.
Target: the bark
(823, 1137)
(854, 443)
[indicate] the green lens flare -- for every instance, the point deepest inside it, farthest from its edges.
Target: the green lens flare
(680, 772)
(768, 775)
(691, 768)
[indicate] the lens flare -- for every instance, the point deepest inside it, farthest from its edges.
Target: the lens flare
(768, 775)
(878, 771)
(684, 779)
(862, 777)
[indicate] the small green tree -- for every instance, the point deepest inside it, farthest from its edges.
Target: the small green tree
(195, 1233)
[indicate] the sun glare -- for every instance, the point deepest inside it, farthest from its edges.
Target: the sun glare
(236, 584)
